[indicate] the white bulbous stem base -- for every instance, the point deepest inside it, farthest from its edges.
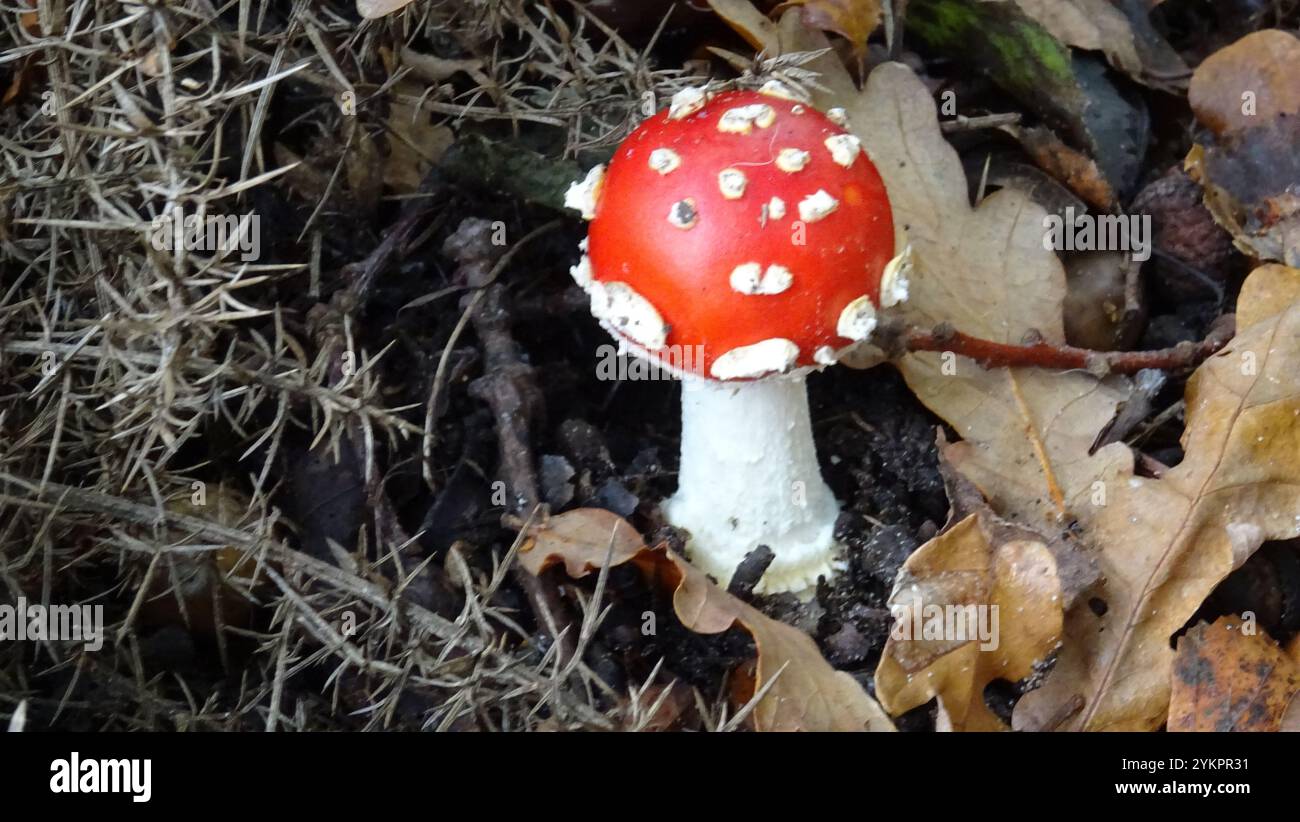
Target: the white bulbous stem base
(749, 477)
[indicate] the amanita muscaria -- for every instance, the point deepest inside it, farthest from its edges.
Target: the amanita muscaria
(750, 229)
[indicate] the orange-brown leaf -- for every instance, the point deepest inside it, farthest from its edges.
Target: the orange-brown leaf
(1075, 169)
(748, 21)
(1016, 584)
(854, 20)
(1248, 83)
(1231, 677)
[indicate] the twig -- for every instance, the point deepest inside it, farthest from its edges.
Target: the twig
(964, 123)
(362, 275)
(1041, 354)
(439, 376)
(509, 389)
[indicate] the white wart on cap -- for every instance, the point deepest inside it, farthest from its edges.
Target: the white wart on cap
(583, 194)
(857, 320)
(753, 279)
(624, 310)
(770, 356)
(894, 282)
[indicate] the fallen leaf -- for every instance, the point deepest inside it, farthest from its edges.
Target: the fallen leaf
(374, 9)
(1162, 66)
(1072, 92)
(1247, 96)
(1120, 30)
(1163, 545)
(854, 20)
(1248, 189)
(363, 164)
(1248, 83)
(415, 143)
(808, 694)
(1075, 169)
(750, 23)
(1230, 678)
(1095, 25)
(1003, 606)
(1023, 581)
(1006, 285)
(582, 540)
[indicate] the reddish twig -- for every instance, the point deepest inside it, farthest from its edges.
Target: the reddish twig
(1041, 354)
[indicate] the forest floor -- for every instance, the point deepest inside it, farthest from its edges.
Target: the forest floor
(298, 474)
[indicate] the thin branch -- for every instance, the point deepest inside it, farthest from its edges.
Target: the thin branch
(1041, 354)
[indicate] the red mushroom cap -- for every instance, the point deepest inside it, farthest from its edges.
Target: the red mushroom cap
(741, 219)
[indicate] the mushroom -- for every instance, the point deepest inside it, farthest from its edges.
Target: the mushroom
(745, 234)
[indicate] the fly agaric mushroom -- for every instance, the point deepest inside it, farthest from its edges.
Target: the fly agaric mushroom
(749, 234)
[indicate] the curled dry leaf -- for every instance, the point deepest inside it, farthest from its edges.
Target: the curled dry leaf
(1075, 169)
(854, 20)
(415, 143)
(1247, 96)
(1121, 31)
(1095, 25)
(1230, 676)
(1163, 545)
(998, 602)
(374, 9)
(808, 694)
(750, 23)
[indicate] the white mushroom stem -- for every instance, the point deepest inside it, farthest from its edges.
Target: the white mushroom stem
(749, 477)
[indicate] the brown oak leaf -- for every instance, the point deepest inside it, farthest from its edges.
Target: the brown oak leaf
(1228, 677)
(805, 694)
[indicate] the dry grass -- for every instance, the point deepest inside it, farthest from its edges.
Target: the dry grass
(132, 376)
